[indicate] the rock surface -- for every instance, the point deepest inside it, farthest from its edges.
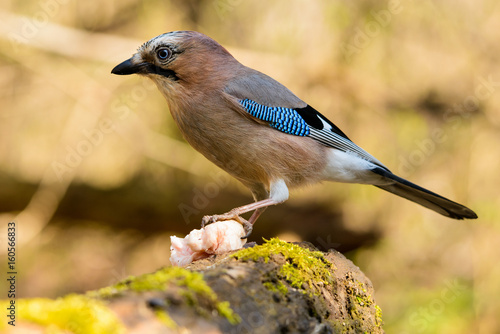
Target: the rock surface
(276, 287)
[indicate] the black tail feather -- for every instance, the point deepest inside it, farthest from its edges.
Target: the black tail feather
(424, 197)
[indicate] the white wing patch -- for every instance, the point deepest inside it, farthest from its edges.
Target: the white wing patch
(326, 126)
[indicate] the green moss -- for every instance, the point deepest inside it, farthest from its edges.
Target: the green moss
(301, 266)
(358, 299)
(225, 310)
(378, 316)
(158, 281)
(163, 317)
(194, 289)
(276, 287)
(72, 313)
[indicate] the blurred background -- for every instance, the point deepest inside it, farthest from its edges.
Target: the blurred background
(97, 176)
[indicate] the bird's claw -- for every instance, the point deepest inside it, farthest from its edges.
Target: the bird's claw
(248, 229)
(225, 216)
(207, 220)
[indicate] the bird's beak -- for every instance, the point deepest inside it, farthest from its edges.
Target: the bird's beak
(127, 67)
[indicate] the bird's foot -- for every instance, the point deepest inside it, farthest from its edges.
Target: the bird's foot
(229, 216)
(248, 230)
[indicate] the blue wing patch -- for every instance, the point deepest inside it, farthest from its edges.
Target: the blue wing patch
(286, 120)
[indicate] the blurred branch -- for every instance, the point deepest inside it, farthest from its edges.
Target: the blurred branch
(107, 48)
(21, 30)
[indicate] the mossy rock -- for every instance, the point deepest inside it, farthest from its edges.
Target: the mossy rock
(271, 288)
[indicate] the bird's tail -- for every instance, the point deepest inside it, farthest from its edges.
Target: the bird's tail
(424, 197)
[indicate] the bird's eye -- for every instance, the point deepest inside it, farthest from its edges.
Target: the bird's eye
(163, 53)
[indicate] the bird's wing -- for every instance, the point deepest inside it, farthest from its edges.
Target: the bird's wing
(306, 122)
(271, 103)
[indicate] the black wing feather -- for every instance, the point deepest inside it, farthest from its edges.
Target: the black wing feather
(332, 136)
(311, 116)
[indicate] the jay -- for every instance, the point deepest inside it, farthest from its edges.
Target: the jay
(257, 130)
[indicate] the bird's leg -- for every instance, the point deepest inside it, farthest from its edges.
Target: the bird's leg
(235, 213)
(278, 194)
(249, 225)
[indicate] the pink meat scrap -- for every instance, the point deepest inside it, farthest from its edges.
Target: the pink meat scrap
(217, 238)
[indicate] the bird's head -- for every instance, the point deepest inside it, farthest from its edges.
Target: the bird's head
(178, 57)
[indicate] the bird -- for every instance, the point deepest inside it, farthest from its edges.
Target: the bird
(257, 130)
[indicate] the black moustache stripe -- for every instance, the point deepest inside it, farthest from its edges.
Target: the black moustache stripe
(151, 68)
